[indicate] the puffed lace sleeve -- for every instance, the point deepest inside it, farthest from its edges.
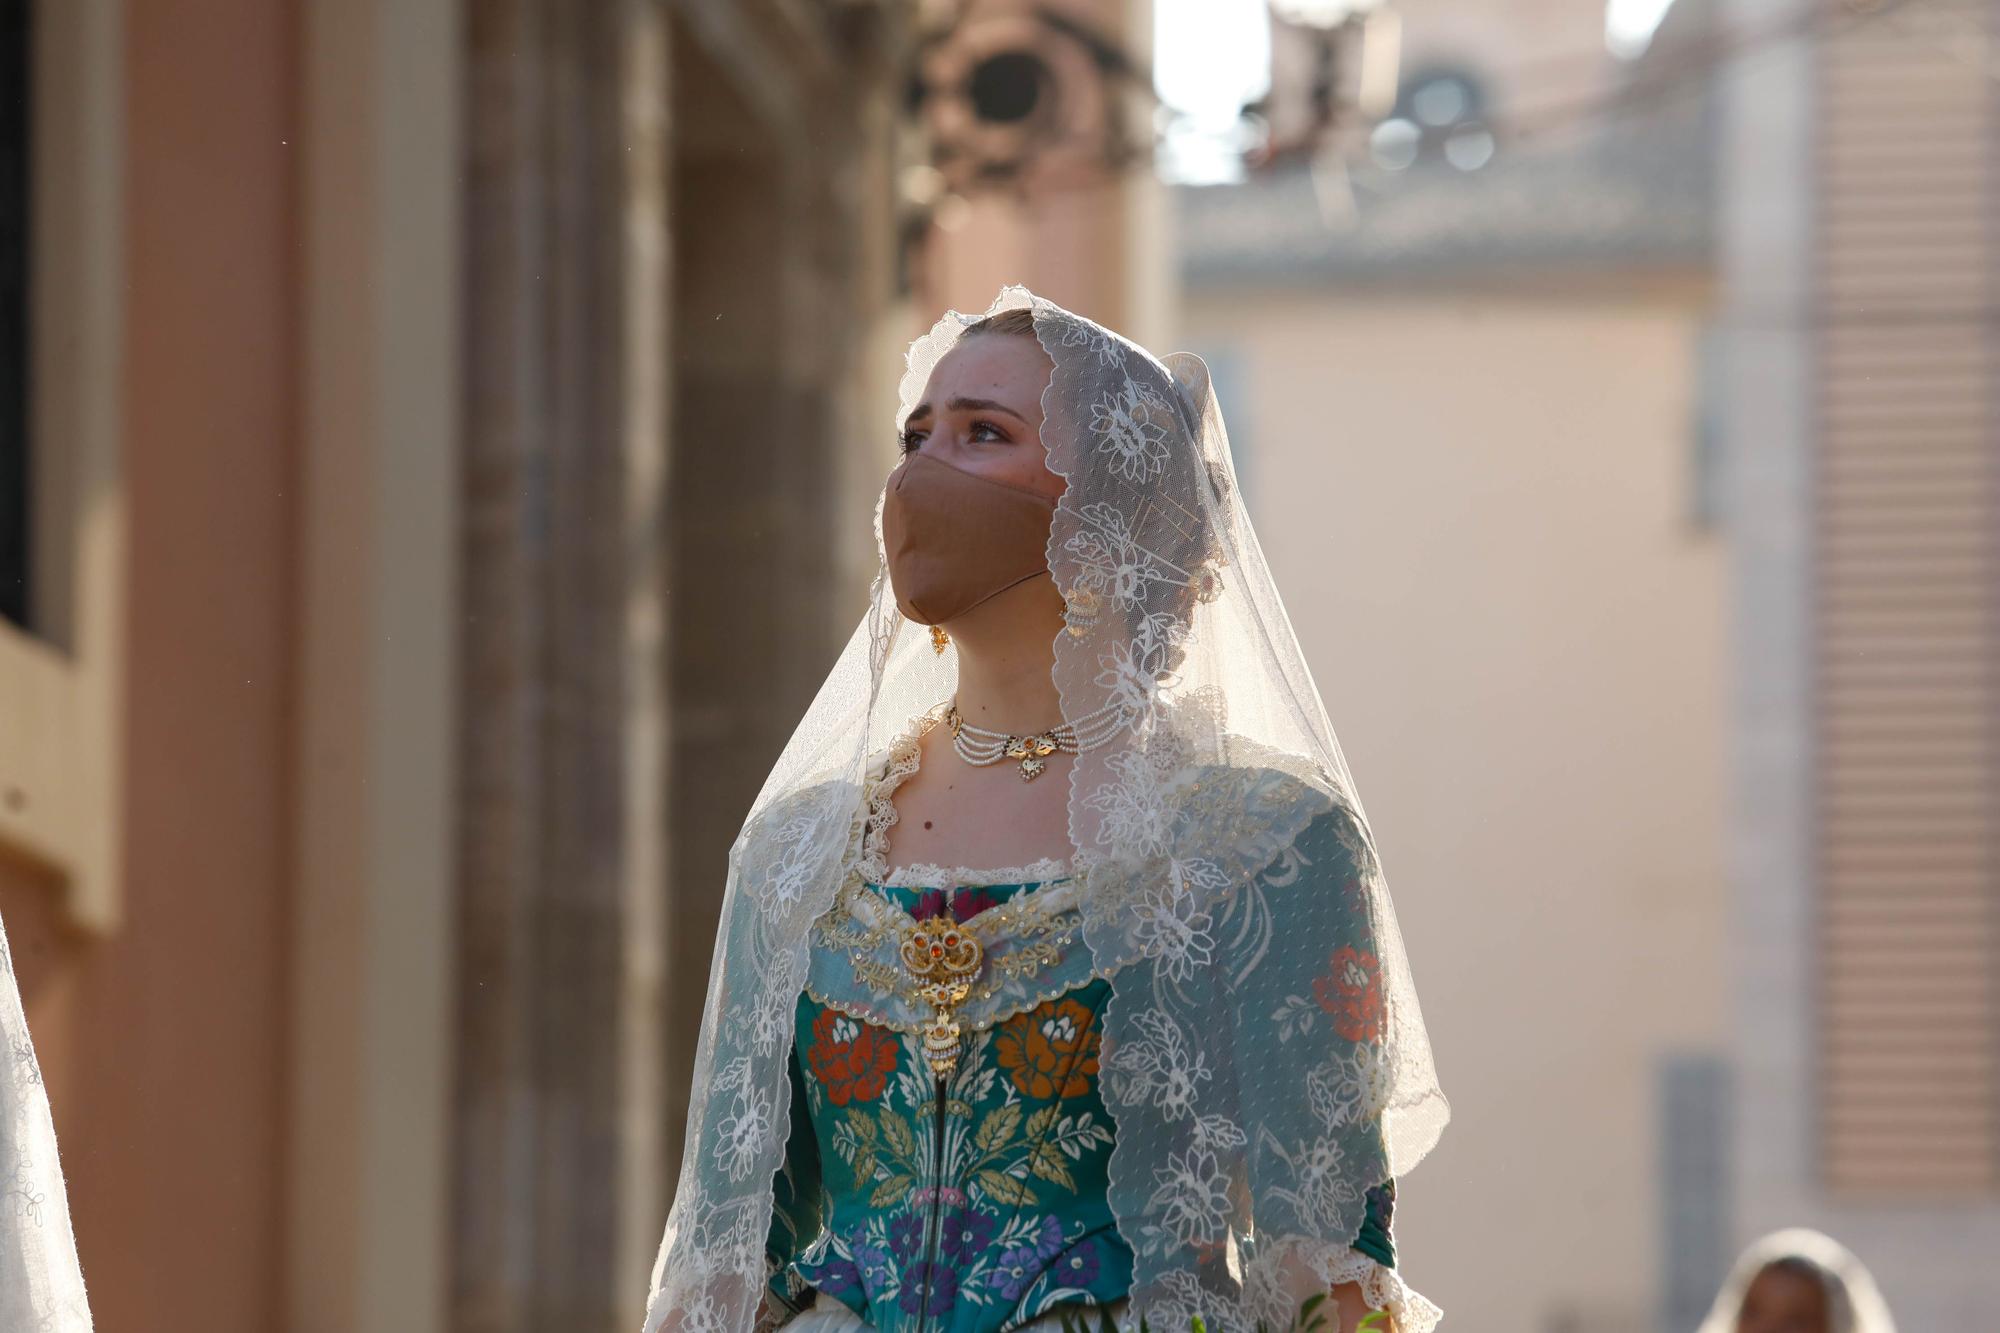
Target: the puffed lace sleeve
(1325, 1028)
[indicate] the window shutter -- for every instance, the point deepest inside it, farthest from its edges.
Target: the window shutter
(1907, 619)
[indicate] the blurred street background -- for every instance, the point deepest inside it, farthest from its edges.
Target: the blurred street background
(437, 447)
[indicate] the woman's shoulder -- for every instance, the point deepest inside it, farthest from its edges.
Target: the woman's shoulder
(808, 811)
(1264, 804)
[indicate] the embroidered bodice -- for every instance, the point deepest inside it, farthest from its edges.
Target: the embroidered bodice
(970, 1210)
(974, 1203)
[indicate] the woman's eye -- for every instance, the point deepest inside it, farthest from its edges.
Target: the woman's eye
(909, 440)
(990, 431)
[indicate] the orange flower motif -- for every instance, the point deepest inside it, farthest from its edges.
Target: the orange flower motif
(1352, 993)
(853, 1060)
(1050, 1050)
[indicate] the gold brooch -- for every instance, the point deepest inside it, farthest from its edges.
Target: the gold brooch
(942, 959)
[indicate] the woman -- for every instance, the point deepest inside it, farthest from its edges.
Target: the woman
(1056, 975)
(1799, 1281)
(41, 1287)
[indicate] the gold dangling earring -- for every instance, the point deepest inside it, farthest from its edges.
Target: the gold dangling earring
(1080, 607)
(939, 640)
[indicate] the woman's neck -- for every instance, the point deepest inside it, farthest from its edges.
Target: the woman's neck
(1006, 648)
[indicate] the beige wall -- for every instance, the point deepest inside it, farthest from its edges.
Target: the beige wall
(1478, 510)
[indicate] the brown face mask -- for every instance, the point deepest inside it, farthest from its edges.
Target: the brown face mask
(955, 539)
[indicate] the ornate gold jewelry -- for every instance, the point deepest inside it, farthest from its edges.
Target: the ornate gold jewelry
(1080, 607)
(939, 639)
(942, 958)
(1033, 752)
(979, 747)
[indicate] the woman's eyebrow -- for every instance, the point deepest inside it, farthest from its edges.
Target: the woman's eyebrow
(963, 405)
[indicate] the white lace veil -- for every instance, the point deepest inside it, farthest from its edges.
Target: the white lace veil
(1853, 1300)
(1263, 1055)
(41, 1287)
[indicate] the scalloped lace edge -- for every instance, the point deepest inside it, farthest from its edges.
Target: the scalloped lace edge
(929, 875)
(1383, 1288)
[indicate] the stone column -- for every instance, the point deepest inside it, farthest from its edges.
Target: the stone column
(558, 1189)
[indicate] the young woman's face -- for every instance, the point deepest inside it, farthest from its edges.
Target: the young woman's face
(1784, 1301)
(982, 412)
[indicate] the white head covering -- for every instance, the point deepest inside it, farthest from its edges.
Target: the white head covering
(1263, 1055)
(1854, 1303)
(41, 1287)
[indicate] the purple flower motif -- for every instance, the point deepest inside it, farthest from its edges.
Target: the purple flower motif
(965, 1235)
(1016, 1269)
(1078, 1268)
(906, 1235)
(835, 1275)
(941, 1281)
(930, 903)
(877, 1271)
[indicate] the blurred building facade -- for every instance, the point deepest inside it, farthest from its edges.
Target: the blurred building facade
(442, 420)
(1473, 449)
(1859, 227)
(1693, 819)
(451, 432)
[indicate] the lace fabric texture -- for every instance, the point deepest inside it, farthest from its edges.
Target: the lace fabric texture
(1233, 951)
(41, 1286)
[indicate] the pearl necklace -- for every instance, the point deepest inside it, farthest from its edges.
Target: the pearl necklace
(980, 746)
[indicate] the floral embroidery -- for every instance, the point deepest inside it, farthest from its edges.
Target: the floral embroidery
(854, 1061)
(966, 1234)
(1052, 1046)
(983, 1202)
(1135, 818)
(744, 1132)
(937, 1280)
(1192, 1197)
(1162, 1069)
(1131, 425)
(1080, 333)
(1352, 993)
(1167, 926)
(1134, 673)
(1364, 1078)
(1078, 1268)
(1021, 1265)
(980, 1194)
(1111, 561)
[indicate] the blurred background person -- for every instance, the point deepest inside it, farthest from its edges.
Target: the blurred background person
(1798, 1281)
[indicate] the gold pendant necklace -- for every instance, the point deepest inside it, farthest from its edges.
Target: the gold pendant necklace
(942, 959)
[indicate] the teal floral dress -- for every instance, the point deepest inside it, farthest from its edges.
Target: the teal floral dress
(975, 1205)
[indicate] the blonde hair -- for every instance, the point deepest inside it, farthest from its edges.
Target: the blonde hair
(1018, 322)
